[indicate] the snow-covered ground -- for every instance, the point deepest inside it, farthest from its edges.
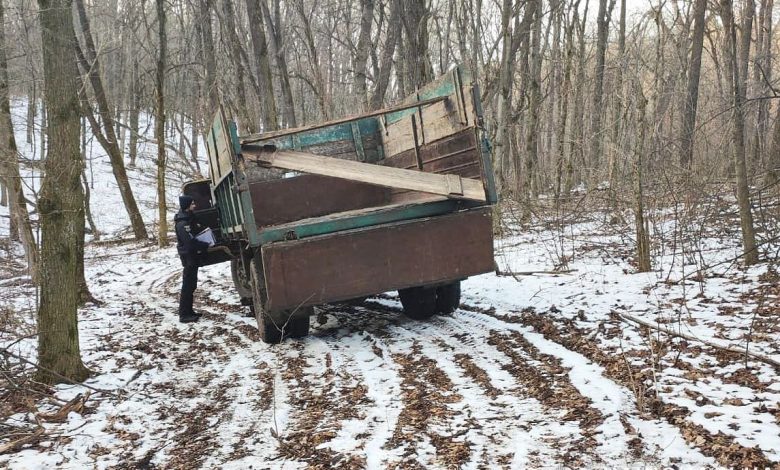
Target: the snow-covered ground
(534, 370)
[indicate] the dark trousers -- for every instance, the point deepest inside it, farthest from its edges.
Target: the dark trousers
(189, 281)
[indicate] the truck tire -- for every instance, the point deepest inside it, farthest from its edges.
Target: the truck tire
(268, 330)
(448, 297)
(419, 302)
(298, 326)
(274, 331)
(241, 279)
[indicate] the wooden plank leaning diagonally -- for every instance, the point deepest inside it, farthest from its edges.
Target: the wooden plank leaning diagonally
(444, 185)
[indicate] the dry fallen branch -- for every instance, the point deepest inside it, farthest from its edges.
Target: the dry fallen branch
(76, 404)
(759, 357)
(17, 444)
(532, 273)
(66, 379)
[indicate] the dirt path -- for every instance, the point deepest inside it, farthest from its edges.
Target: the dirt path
(368, 387)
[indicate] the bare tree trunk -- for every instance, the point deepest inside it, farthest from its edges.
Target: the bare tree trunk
(578, 120)
(318, 86)
(534, 102)
(247, 123)
(564, 99)
(9, 166)
(762, 76)
(91, 66)
(44, 124)
(277, 48)
(690, 103)
(159, 127)
(642, 236)
(61, 202)
(209, 57)
(135, 110)
(194, 143)
(743, 57)
(602, 20)
(740, 168)
(522, 42)
(414, 16)
(503, 155)
(361, 56)
(84, 183)
(260, 47)
(618, 105)
(401, 63)
(386, 66)
(773, 164)
(32, 103)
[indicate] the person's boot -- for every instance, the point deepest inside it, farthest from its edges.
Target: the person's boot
(188, 318)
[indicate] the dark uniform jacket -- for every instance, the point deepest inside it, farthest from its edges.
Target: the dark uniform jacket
(189, 248)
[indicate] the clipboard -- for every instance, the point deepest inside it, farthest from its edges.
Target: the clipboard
(206, 236)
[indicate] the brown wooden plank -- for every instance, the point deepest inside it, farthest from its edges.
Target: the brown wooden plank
(364, 262)
(290, 199)
(454, 162)
(465, 139)
(405, 159)
(363, 172)
(458, 154)
(438, 120)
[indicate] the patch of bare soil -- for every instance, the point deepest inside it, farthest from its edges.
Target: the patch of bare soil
(426, 393)
(476, 374)
(548, 382)
(319, 410)
(719, 446)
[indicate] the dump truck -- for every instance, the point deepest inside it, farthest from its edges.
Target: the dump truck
(397, 199)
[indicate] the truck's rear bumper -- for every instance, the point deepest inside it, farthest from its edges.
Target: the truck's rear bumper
(381, 258)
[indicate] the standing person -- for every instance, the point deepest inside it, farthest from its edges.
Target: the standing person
(190, 251)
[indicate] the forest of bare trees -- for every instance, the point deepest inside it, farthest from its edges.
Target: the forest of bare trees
(642, 103)
(635, 148)
(560, 80)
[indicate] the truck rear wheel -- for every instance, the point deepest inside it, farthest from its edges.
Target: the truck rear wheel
(269, 333)
(298, 326)
(448, 297)
(273, 329)
(419, 302)
(241, 279)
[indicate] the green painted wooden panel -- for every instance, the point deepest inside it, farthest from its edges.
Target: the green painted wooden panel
(334, 133)
(312, 229)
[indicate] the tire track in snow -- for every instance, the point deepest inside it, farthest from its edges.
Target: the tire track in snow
(522, 440)
(361, 355)
(623, 423)
(400, 334)
(321, 399)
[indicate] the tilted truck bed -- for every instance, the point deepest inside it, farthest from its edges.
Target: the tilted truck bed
(393, 199)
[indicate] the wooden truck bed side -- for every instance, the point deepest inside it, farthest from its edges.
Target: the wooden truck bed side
(354, 263)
